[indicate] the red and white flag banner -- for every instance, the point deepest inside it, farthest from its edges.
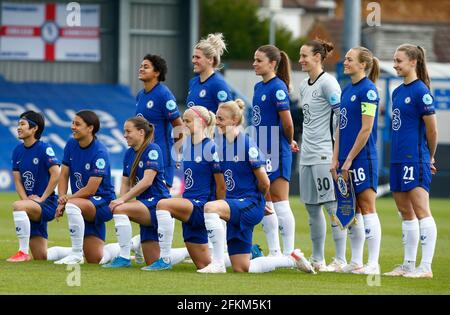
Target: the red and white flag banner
(32, 31)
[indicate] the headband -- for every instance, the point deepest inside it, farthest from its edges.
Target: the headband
(30, 122)
(198, 114)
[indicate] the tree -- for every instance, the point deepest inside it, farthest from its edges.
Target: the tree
(242, 29)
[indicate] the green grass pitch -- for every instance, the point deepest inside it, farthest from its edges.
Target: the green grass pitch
(42, 277)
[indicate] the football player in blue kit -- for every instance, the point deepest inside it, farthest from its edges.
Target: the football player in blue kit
(275, 138)
(204, 182)
(356, 154)
(36, 172)
(207, 88)
(86, 163)
(413, 146)
(143, 179)
(156, 103)
(246, 183)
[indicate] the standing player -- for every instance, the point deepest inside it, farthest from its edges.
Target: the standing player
(36, 173)
(203, 182)
(275, 138)
(247, 183)
(206, 88)
(86, 163)
(156, 103)
(320, 95)
(355, 151)
(414, 142)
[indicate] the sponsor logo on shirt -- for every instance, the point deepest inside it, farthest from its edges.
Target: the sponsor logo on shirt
(50, 152)
(202, 93)
(100, 163)
(222, 95)
(35, 161)
(372, 95)
(408, 100)
(171, 105)
(150, 104)
(280, 95)
(353, 98)
(427, 99)
(153, 155)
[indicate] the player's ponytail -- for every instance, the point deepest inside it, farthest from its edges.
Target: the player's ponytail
(91, 119)
(213, 47)
(372, 63)
(282, 66)
(140, 123)
(320, 46)
(417, 53)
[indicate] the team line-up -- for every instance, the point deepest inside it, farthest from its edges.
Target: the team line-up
(226, 195)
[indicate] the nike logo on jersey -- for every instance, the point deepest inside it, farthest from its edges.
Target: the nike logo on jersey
(18, 162)
(321, 196)
(357, 184)
(407, 182)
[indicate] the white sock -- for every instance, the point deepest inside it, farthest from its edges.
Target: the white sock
(318, 229)
(58, 252)
(217, 235)
(411, 236)
(225, 243)
(227, 260)
(266, 264)
(428, 236)
(357, 237)
(177, 255)
(286, 223)
(110, 251)
(136, 243)
(76, 228)
(339, 235)
(166, 226)
(270, 228)
(123, 233)
(23, 228)
(372, 228)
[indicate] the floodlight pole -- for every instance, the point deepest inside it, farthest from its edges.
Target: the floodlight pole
(272, 28)
(352, 25)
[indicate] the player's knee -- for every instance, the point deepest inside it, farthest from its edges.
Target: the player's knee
(209, 207)
(163, 204)
(17, 205)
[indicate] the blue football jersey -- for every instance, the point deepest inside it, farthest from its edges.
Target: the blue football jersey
(410, 102)
(84, 163)
(358, 99)
(209, 94)
(269, 99)
(33, 164)
(151, 159)
(158, 106)
(237, 161)
(200, 163)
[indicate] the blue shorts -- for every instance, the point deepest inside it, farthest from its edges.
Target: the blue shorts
(150, 232)
(102, 214)
(194, 230)
(284, 167)
(365, 174)
(48, 210)
(169, 171)
(407, 176)
(244, 215)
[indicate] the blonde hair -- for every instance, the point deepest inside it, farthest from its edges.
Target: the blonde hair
(213, 47)
(236, 109)
(372, 63)
(207, 116)
(417, 53)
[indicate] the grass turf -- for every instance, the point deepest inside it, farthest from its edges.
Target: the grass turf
(42, 277)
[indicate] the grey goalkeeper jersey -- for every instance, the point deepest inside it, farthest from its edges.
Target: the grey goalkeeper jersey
(318, 101)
